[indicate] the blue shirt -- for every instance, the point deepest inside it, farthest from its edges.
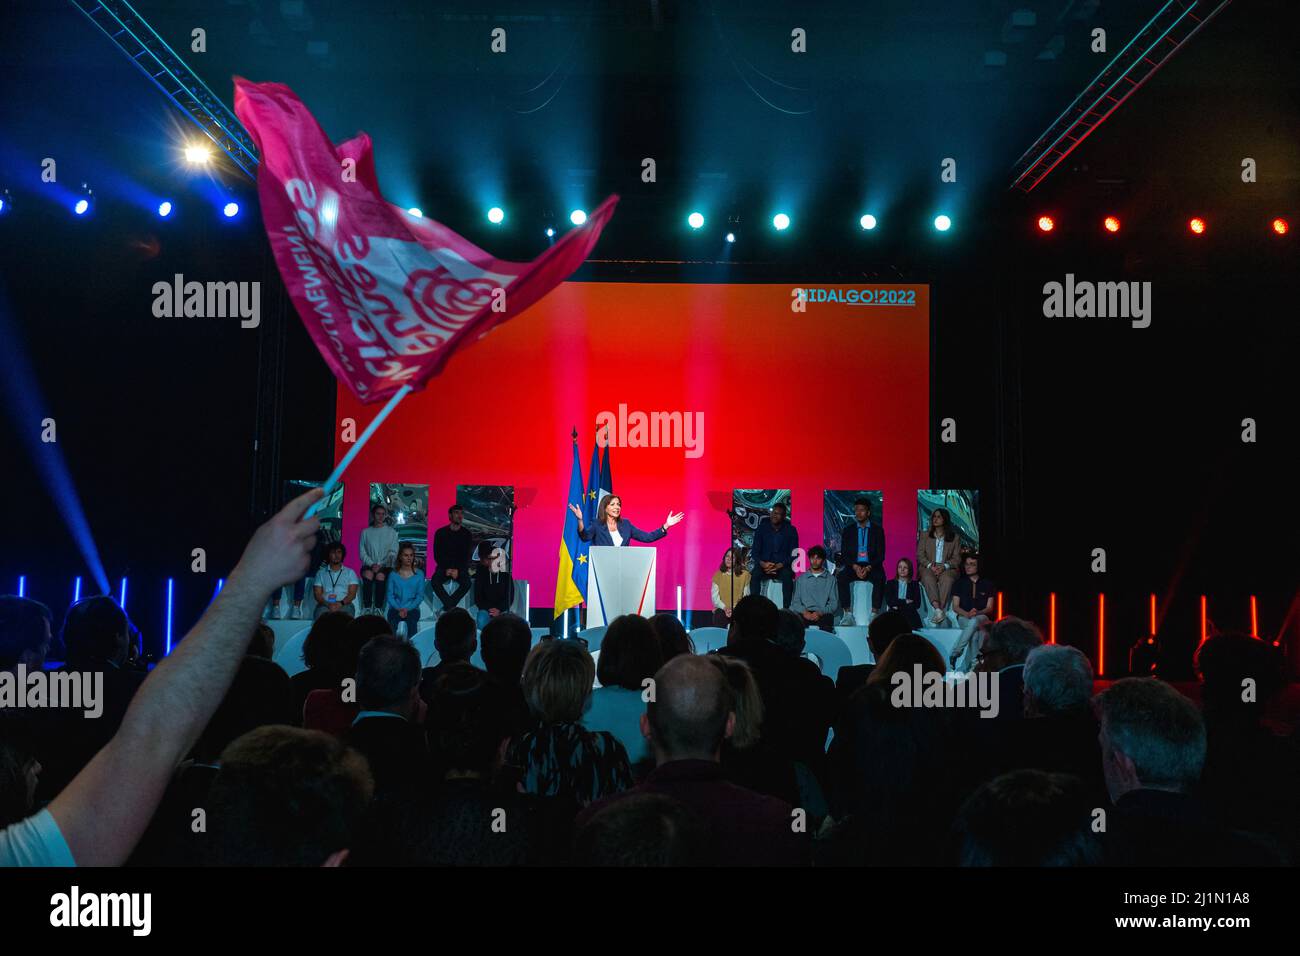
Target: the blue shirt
(619, 710)
(405, 594)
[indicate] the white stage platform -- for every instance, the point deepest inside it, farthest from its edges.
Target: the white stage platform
(847, 646)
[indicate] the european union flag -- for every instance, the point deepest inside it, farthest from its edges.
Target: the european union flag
(573, 550)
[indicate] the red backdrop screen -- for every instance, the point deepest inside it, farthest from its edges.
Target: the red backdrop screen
(828, 392)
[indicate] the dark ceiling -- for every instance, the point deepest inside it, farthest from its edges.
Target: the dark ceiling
(738, 123)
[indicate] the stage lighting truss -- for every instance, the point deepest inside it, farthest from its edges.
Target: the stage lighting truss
(1173, 25)
(143, 47)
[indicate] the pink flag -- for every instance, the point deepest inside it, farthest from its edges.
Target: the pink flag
(387, 297)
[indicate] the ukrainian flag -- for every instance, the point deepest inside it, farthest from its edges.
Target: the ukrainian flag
(573, 550)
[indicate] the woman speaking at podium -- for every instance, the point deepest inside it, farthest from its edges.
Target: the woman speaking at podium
(613, 529)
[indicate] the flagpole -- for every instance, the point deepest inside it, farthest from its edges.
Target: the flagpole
(342, 466)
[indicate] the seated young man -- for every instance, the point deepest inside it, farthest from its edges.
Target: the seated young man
(336, 583)
(494, 588)
(452, 546)
(775, 541)
(816, 593)
(862, 558)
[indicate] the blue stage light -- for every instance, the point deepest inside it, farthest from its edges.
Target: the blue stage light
(121, 597)
(170, 584)
(4, 203)
(731, 237)
(780, 221)
(578, 217)
(82, 207)
(496, 215)
(550, 233)
(22, 585)
(868, 221)
(76, 589)
(164, 209)
(942, 223)
(230, 210)
(415, 211)
(23, 399)
(695, 220)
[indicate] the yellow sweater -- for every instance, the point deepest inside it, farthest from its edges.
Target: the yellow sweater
(722, 581)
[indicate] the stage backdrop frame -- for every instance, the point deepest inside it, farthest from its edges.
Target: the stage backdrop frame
(963, 507)
(837, 511)
(408, 512)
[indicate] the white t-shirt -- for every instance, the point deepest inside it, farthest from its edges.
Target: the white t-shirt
(616, 538)
(335, 584)
(36, 841)
(938, 550)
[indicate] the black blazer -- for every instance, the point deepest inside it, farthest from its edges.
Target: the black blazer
(910, 605)
(599, 534)
(849, 545)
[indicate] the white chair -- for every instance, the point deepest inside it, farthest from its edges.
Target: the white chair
(860, 594)
(289, 654)
(829, 649)
(431, 607)
(772, 590)
(429, 656)
(593, 636)
(708, 638)
(855, 639)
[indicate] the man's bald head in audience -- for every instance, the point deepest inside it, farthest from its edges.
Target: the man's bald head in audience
(691, 711)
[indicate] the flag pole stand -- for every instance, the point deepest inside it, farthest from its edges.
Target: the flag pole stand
(342, 466)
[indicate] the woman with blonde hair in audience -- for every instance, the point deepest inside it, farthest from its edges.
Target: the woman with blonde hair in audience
(561, 757)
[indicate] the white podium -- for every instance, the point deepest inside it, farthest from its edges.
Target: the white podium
(622, 581)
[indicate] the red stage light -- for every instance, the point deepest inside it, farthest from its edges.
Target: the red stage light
(1111, 223)
(1280, 226)
(1197, 225)
(1101, 634)
(1051, 619)
(1046, 223)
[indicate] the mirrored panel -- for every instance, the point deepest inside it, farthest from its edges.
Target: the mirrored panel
(408, 512)
(489, 515)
